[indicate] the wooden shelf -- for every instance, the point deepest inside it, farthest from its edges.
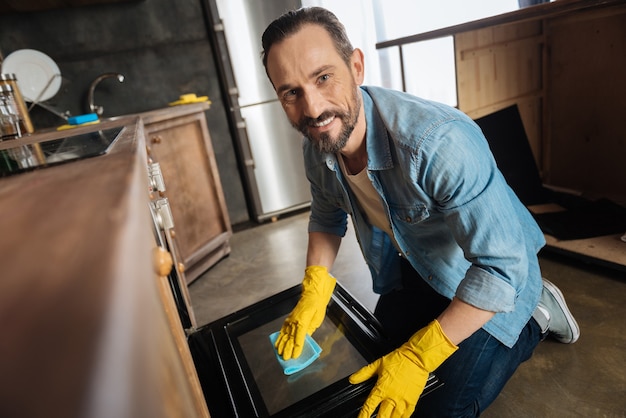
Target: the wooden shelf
(606, 250)
(609, 250)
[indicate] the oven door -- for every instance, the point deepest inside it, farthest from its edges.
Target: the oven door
(241, 377)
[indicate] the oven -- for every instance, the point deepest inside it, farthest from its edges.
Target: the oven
(241, 377)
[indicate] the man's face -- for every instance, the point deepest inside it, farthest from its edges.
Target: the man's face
(318, 91)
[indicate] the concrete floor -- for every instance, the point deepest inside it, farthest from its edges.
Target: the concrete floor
(586, 379)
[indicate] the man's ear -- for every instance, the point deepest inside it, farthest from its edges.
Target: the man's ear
(357, 65)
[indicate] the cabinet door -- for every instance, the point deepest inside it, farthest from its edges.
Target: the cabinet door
(182, 146)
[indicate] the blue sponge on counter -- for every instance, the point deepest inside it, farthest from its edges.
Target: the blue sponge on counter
(80, 119)
(310, 353)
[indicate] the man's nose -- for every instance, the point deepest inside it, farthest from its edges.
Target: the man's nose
(313, 104)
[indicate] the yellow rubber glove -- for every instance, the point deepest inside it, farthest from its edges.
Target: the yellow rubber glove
(307, 316)
(402, 374)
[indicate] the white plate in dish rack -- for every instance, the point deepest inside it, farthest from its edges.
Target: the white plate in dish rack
(38, 76)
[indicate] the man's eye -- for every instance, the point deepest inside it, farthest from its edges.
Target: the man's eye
(290, 95)
(324, 78)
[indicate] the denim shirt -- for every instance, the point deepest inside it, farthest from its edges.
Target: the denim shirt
(451, 211)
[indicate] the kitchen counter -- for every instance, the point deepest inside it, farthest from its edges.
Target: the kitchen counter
(84, 331)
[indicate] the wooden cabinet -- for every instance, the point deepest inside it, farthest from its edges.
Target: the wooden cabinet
(562, 64)
(178, 139)
(89, 328)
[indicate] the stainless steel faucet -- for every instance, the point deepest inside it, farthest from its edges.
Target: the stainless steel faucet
(90, 104)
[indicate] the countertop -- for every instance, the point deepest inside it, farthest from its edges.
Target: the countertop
(87, 325)
(149, 116)
(63, 231)
(84, 329)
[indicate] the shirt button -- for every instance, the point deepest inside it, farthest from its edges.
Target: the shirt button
(408, 219)
(430, 277)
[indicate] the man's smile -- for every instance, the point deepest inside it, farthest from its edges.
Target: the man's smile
(324, 122)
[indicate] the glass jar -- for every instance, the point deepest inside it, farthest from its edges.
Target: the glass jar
(9, 115)
(26, 126)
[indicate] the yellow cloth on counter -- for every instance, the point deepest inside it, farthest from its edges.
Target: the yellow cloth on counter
(190, 98)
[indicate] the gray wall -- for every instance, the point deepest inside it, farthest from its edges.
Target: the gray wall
(162, 48)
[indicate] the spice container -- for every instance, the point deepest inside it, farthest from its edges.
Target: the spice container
(26, 126)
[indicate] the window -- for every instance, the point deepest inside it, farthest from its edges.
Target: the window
(429, 65)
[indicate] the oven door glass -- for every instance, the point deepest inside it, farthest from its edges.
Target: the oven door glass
(241, 376)
(339, 359)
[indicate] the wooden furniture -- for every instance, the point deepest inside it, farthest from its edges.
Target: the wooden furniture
(88, 325)
(563, 64)
(178, 139)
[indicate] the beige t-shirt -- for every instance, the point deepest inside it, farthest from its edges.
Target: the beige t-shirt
(367, 198)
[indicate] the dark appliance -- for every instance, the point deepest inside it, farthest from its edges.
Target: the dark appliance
(241, 377)
(269, 149)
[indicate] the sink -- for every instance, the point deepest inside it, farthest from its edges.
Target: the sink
(27, 157)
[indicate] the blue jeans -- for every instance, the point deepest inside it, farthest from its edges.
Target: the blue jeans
(476, 373)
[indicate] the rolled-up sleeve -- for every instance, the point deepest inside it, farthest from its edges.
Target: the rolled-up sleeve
(486, 291)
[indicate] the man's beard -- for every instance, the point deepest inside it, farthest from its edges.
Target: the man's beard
(325, 143)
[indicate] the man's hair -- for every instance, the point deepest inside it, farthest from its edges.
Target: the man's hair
(292, 21)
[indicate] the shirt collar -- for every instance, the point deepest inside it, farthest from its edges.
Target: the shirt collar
(376, 136)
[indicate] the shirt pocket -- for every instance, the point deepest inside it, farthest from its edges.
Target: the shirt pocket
(409, 215)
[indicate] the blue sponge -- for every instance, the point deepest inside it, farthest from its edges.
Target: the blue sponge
(310, 353)
(80, 119)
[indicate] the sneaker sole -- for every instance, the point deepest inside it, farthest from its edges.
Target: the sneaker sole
(568, 315)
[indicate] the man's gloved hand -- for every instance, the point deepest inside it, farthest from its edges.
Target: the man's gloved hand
(307, 316)
(402, 374)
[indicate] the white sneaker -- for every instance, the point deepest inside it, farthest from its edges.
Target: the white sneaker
(560, 321)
